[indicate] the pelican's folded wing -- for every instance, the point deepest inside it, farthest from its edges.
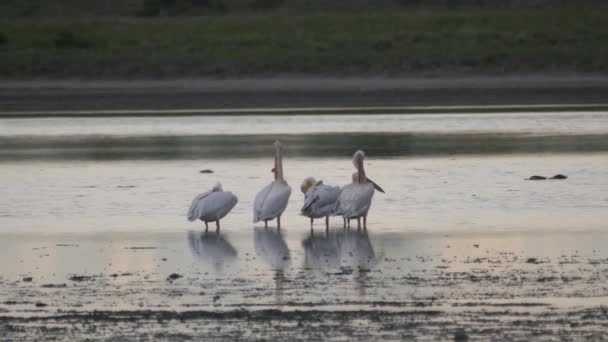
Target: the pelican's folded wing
(328, 196)
(258, 203)
(311, 197)
(197, 206)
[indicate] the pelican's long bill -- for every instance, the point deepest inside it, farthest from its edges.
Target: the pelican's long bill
(376, 186)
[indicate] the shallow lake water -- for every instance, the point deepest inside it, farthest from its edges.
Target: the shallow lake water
(96, 217)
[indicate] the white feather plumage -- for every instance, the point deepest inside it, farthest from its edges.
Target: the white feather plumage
(212, 206)
(320, 200)
(271, 201)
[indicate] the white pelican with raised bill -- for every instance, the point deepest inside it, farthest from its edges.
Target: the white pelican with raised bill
(272, 200)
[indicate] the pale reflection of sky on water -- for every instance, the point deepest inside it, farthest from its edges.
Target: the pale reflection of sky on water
(292, 270)
(548, 123)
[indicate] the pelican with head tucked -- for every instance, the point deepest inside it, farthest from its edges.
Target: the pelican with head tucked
(319, 200)
(272, 200)
(356, 198)
(212, 206)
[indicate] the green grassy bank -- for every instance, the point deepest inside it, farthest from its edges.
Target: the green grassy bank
(381, 43)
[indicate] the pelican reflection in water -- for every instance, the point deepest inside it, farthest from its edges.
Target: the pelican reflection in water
(213, 248)
(322, 251)
(339, 248)
(271, 248)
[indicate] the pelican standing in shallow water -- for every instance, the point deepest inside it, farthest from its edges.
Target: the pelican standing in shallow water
(319, 200)
(356, 198)
(212, 206)
(272, 200)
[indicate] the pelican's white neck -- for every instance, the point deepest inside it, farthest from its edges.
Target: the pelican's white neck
(358, 158)
(278, 161)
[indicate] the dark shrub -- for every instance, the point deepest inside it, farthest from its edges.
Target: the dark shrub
(3, 39)
(153, 8)
(410, 2)
(218, 5)
(149, 8)
(264, 5)
(68, 40)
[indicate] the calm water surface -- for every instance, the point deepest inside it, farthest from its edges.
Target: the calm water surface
(441, 172)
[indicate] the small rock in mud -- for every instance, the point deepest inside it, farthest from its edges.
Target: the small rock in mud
(174, 276)
(164, 259)
(460, 335)
(476, 245)
(40, 305)
(536, 177)
(532, 261)
(125, 186)
(546, 279)
(27, 279)
(559, 176)
(206, 171)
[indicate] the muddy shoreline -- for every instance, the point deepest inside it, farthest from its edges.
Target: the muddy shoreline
(369, 286)
(290, 92)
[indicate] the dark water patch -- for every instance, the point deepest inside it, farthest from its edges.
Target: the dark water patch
(479, 304)
(262, 315)
(54, 286)
(297, 145)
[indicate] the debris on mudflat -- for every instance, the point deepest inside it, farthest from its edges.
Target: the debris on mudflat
(173, 276)
(532, 261)
(80, 278)
(559, 176)
(206, 171)
(537, 177)
(124, 274)
(27, 279)
(40, 305)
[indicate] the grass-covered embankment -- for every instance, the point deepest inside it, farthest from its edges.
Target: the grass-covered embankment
(390, 43)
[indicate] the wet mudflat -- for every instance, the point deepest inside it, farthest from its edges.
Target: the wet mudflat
(259, 283)
(95, 243)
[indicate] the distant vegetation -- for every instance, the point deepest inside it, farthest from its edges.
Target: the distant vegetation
(67, 8)
(221, 38)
